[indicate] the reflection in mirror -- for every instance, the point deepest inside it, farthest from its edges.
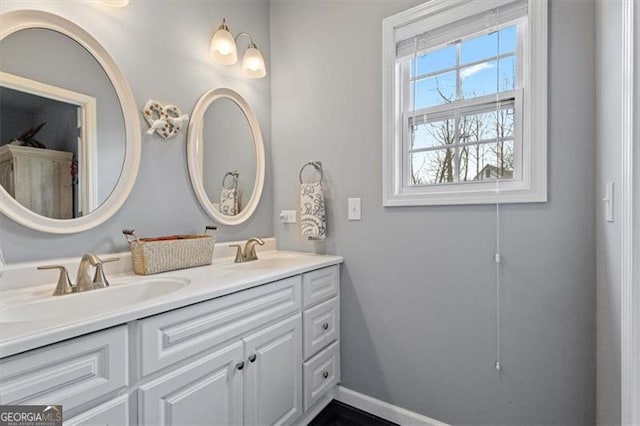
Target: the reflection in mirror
(225, 155)
(229, 157)
(62, 132)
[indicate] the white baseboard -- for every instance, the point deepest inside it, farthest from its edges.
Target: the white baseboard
(383, 409)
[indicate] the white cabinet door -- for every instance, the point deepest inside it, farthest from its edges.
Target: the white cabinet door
(273, 374)
(205, 392)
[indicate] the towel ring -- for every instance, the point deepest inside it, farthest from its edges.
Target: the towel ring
(235, 175)
(317, 165)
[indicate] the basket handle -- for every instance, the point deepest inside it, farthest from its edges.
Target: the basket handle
(129, 233)
(209, 227)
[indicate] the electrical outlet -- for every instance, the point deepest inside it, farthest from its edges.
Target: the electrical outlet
(288, 216)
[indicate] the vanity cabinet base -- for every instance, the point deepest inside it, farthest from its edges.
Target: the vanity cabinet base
(260, 356)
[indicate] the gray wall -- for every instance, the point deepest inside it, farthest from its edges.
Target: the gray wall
(162, 49)
(609, 133)
(418, 302)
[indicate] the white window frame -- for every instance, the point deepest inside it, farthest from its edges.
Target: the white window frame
(530, 179)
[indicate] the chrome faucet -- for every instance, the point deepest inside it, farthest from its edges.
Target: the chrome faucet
(249, 252)
(83, 279)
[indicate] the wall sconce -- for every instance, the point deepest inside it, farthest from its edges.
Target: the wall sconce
(224, 50)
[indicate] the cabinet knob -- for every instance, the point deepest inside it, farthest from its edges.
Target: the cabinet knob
(325, 326)
(240, 365)
(252, 358)
(325, 374)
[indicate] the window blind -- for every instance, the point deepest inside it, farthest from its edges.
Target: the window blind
(447, 26)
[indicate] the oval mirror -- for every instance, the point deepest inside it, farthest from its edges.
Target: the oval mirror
(70, 134)
(225, 154)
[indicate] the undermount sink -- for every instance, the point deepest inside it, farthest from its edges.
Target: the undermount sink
(94, 302)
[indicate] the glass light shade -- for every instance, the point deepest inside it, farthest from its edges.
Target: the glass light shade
(253, 63)
(223, 47)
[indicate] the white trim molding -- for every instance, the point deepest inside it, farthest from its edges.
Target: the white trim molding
(382, 409)
(630, 212)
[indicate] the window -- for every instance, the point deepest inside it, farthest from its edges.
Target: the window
(464, 102)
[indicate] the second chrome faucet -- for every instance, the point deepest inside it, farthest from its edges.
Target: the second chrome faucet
(249, 252)
(83, 278)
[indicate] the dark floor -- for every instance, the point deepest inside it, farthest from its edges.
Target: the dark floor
(339, 414)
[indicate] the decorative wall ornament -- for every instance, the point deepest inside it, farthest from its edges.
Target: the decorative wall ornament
(164, 120)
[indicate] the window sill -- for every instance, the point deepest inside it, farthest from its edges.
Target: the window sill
(462, 194)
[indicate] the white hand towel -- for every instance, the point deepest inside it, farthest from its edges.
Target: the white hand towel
(229, 202)
(313, 221)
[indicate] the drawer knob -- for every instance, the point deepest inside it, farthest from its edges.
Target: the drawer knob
(325, 326)
(240, 365)
(252, 358)
(325, 374)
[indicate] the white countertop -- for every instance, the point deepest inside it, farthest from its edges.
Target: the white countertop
(206, 282)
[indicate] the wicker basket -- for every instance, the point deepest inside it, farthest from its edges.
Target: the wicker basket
(154, 255)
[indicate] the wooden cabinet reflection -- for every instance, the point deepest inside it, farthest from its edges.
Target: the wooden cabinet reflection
(39, 179)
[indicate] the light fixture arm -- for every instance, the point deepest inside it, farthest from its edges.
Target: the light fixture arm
(251, 43)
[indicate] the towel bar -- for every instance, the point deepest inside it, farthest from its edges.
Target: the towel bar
(317, 165)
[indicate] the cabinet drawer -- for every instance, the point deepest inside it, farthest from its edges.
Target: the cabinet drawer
(321, 326)
(321, 373)
(173, 336)
(320, 285)
(69, 373)
(114, 412)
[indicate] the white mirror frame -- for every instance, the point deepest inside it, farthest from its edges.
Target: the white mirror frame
(195, 146)
(24, 19)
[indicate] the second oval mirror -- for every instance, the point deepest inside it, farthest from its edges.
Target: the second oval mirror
(225, 154)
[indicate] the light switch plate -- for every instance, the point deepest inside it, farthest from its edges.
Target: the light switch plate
(354, 209)
(288, 216)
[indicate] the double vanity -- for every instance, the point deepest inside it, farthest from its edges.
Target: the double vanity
(230, 343)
